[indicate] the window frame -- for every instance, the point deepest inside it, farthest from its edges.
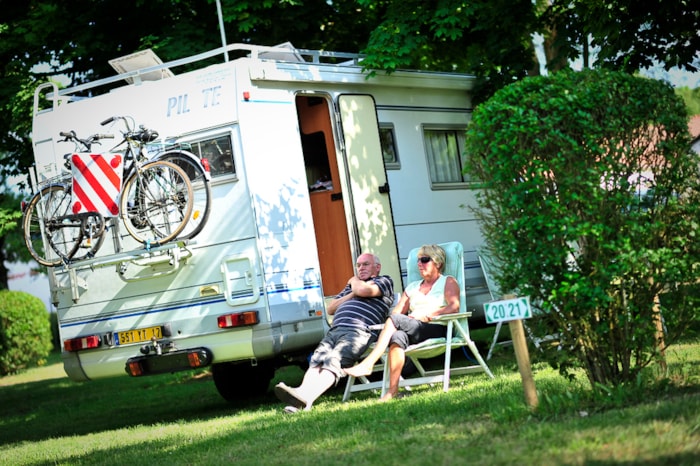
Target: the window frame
(188, 141)
(461, 155)
(396, 163)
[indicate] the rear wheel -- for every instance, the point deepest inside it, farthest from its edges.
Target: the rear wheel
(237, 381)
(201, 190)
(48, 234)
(156, 202)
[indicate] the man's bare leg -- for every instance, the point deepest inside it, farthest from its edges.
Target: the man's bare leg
(316, 381)
(365, 366)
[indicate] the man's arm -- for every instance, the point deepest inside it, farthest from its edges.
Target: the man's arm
(364, 289)
(358, 288)
(335, 304)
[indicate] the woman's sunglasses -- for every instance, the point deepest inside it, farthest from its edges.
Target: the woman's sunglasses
(424, 259)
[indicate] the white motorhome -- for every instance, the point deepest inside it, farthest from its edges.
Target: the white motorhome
(312, 163)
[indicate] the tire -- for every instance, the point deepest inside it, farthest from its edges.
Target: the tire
(241, 381)
(49, 203)
(64, 232)
(201, 189)
(156, 202)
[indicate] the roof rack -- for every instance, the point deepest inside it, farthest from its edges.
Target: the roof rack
(283, 53)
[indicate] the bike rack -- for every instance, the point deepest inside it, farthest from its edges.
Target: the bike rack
(165, 260)
(168, 261)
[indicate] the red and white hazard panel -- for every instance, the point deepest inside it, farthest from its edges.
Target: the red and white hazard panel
(97, 181)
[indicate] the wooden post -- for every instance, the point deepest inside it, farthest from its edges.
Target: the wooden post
(660, 344)
(517, 333)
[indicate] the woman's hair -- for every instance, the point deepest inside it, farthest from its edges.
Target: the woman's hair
(436, 253)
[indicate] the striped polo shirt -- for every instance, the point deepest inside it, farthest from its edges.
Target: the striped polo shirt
(364, 312)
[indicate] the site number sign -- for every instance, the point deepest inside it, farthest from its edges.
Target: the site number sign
(507, 309)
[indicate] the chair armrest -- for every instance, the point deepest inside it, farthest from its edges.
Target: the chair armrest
(448, 317)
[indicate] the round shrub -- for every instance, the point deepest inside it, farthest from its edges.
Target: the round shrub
(591, 208)
(25, 331)
(55, 335)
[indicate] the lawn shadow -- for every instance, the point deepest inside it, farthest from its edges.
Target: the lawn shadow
(44, 409)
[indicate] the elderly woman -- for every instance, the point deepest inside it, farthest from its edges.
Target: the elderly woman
(409, 323)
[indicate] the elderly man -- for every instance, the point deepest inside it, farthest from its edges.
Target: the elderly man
(364, 302)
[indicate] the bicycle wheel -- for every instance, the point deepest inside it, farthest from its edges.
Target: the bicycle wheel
(201, 190)
(92, 225)
(156, 202)
(43, 226)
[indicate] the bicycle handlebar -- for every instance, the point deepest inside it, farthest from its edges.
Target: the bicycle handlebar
(142, 135)
(87, 142)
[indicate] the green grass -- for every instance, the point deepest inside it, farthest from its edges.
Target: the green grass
(180, 419)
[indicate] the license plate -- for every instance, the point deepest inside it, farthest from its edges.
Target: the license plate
(138, 336)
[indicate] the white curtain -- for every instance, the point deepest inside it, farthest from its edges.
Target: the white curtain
(444, 148)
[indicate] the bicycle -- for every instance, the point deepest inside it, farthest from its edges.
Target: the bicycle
(155, 204)
(48, 216)
(197, 171)
(150, 194)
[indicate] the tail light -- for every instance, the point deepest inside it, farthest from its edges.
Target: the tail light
(238, 320)
(134, 368)
(82, 343)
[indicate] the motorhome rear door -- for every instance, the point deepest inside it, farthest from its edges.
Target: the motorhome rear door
(368, 182)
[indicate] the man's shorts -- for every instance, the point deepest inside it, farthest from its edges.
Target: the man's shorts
(341, 347)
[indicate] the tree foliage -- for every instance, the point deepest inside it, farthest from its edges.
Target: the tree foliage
(40, 39)
(12, 248)
(492, 40)
(631, 35)
(591, 207)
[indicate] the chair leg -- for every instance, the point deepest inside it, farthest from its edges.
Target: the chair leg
(472, 346)
(478, 357)
(448, 358)
(348, 387)
(495, 340)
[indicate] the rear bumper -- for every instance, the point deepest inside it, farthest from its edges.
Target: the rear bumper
(173, 361)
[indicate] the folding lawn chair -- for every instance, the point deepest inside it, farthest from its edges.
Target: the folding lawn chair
(457, 335)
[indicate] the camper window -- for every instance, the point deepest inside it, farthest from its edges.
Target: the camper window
(386, 136)
(444, 148)
(218, 150)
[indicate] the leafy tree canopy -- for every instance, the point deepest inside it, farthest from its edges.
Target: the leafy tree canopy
(44, 38)
(494, 39)
(490, 39)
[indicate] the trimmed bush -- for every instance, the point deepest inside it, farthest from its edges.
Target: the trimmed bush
(25, 331)
(55, 335)
(592, 209)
